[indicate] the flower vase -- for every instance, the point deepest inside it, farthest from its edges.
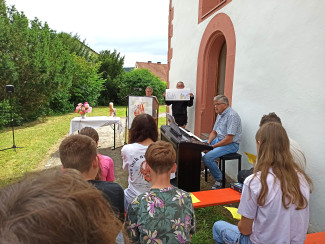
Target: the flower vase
(83, 116)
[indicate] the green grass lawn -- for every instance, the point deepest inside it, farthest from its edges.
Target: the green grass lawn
(37, 139)
(205, 218)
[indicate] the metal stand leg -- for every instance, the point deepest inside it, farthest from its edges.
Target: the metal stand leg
(126, 124)
(114, 137)
(223, 172)
(12, 127)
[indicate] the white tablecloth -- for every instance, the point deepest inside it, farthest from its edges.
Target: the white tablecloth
(78, 123)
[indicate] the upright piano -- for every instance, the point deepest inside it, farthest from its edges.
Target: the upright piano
(188, 149)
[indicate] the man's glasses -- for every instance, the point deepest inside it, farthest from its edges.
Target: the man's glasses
(217, 104)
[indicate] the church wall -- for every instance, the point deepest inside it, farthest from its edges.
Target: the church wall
(279, 67)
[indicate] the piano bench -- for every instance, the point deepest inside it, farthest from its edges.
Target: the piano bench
(222, 166)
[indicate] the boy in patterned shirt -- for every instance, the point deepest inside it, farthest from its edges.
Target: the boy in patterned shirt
(164, 214)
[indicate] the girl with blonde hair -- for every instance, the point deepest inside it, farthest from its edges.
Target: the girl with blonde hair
(274, 202)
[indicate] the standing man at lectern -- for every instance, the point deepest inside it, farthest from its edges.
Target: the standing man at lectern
(149, 92)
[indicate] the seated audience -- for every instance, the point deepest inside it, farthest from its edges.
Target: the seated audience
(274, 201)
(106, 172)
(80, 152)
(143, 132)
(295, 149)
(55, 207)
(164, 214)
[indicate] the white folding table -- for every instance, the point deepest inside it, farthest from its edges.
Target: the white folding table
(78, 123)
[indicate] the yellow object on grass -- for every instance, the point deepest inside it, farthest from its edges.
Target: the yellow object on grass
(234, 213)
(251, 157)
(194, 198)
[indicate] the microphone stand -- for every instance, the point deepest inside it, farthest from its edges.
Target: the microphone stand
(12, 128)
(126, 119)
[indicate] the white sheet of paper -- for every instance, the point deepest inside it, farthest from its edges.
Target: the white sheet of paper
(177, 94)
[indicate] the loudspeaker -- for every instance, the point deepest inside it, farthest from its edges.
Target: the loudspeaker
(10, 88)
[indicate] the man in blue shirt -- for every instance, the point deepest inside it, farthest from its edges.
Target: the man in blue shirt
(224, 138)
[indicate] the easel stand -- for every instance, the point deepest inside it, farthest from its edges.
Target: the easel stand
(12, 127)
(143, 99)
(126, 124)
(126, 118)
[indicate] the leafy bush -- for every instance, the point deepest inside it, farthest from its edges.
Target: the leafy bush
(35, 62)
(5, 118)
(5, 113)
(111, 69)
(60, 103)
(86, 82)
(51, 72)
(74, 45)
(141, 78)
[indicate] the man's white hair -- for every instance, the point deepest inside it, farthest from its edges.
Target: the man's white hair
(222, 99)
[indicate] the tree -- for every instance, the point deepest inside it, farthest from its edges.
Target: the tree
(111, 68)
(86, 82)
(141, 78)
(51, 72)
(7, 73)
(35, 62)
(74, 45)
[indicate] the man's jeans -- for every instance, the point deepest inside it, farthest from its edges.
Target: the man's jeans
(224, 232)
(210, 157)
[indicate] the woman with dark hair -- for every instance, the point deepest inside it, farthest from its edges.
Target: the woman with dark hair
(143, 132)
(275, 199)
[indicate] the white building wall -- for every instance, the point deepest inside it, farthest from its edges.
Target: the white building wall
(185, 43)
(279, 67)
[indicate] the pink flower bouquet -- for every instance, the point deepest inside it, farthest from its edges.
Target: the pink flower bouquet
(83, 108)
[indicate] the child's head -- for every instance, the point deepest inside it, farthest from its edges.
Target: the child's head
(91, 132)
(271, 117)
(55, 207)
(273, 146)
(78, 152)
(161, 157)
(273, 151)
(143, 127)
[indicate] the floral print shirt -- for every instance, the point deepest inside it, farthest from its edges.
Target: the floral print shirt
(161, 216)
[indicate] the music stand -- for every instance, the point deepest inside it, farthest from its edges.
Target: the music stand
(126, 119)
(10, 89)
